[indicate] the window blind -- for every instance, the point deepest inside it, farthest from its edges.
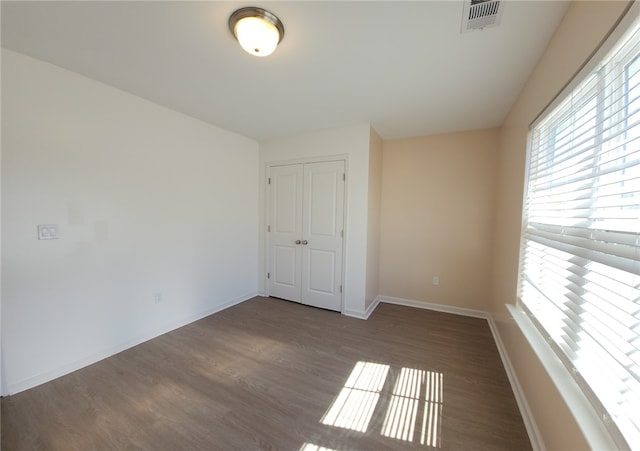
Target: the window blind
(580, 246)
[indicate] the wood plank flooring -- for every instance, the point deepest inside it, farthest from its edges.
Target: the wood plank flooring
(271, 374)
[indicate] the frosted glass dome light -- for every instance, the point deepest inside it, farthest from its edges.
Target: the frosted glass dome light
(258, 31)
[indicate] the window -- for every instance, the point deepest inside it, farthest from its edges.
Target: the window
(580, 247)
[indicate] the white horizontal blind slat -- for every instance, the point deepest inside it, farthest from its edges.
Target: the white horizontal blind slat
(608, 72)
(580, 252)
(614, 105)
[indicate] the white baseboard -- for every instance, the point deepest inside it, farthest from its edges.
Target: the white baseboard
(372, 307)
(436, 307)
(354, 314)
(363, 315)
(34, 381)
(525, 411)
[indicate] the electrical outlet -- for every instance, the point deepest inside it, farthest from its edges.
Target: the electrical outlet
(157, 298)
(436, 280)
(48, 231)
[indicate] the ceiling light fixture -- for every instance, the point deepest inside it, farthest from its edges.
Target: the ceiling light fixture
(258, 31)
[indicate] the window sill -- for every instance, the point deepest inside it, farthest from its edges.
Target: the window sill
(586, 417)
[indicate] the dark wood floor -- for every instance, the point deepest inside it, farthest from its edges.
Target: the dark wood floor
(270, 374)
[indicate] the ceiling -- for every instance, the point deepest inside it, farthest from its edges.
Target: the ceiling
(403, 67)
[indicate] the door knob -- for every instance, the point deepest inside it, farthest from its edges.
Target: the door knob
(305, 242)
(298, 241)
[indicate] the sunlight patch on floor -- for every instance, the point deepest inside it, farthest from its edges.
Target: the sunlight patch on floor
(432, 417)
(413, 407)
(356, 402)
(412, 388)
(403, 408)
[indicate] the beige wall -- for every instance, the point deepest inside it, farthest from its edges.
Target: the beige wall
(437, 218)
(585, 24)
(373, 223)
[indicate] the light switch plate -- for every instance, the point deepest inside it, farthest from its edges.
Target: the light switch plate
(47, 231)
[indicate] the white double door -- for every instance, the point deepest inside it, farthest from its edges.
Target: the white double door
(306, 221)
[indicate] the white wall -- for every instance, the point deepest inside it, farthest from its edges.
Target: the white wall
(374, 217)
(352, 142)
(147, 201)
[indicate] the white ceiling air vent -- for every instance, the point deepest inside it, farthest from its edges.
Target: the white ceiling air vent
(481, 14)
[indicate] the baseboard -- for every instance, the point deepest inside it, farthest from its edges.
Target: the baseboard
(363, 315)
(354, 314)
(39, 379)
(372, 307)
(436, 307)
(525, 411)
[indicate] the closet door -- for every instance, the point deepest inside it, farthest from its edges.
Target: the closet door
(306, 233)
(285, 236)
(322, 224)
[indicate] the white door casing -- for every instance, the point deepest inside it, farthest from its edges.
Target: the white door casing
(306, 221)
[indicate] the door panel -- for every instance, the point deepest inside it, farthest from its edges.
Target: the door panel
(321, 266)
(321, 202)
(286, 227)
(285, 266)
(286, 208)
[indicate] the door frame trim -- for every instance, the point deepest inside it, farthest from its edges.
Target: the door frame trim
(319, 159)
